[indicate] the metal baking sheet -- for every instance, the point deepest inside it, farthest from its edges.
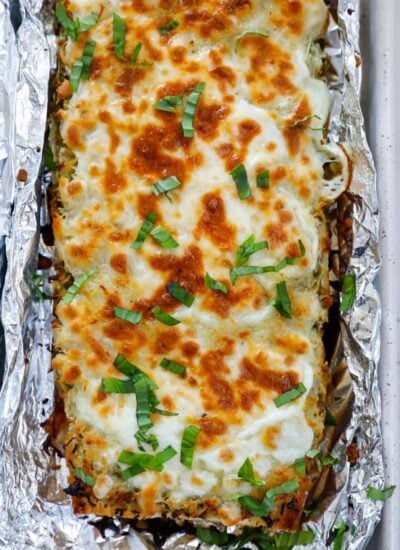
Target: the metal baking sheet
(380, 43)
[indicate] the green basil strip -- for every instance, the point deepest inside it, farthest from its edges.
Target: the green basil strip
(329, 418)
(377, 494)
(119, 32)
(255, 507)
(212, 536)
(262, 179)
(168, 103)
(172, 366)
(127, 315)
(163, 186)
(142, 404)
(300, 465)
(290, 395)
(180, 294)
(164, 317)
(173, 24)
(48, 158)
(116, 385)
(163, 237)
(246, 472)
(144, 230)
(190, 110)
(37, 294)
(289, 540)
(163, 413)
(141, 462)
(249, 33)
(148, 439)
(132, 371)
(283, 489)
(328, 460)
(349, 292)
(189, 437)
(239, 176)
(215, 285)
(340, 531)
(248, 248)
(81, 67)
(74, 27)
(313, 453)
(77, 285)
(86, 478)
(282, 301)
(135, 53)
(243, 271)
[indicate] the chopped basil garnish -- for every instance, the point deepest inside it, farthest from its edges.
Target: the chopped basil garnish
(163, 237)
(76, 286)
(164, 317)
(239, 176)
(74, 27)
(144, 230)
(163, 186)
(37, 294)
(135, 54)
(131, 370)
(265, 506)
(282, 301)
(289, 540)
(189, 437)
(349, 292)
(313, 453)
(173, 24)
(246, 472)
(340, 531)
(86, 478)
(329, 418)
(190, 109)
(249, 33)
(262, 179)
(248, 248)
(180, 294)
(168, 103)
(215, 285)
(116, 385)
(242, 271)
(290, 395)
(127, 315)
(119, 32)
(142, 404)
(48, 158)
(81, 67)
(140, 462)
(380, 494)
(300, 465)
(212, 536)
(172, 366)
(148, 439)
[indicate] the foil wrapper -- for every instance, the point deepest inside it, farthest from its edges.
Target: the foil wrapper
(35, 512)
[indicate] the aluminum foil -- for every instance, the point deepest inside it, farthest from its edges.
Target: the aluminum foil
(34, 510)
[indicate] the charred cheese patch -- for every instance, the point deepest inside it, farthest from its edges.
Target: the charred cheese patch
(262, 106)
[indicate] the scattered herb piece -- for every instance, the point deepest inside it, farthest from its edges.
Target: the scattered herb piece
(239, 176)
(380, 494)
(144, 230)
(77, 285)
(127, 315)
(282, 301)
(166, 29)
(190, 110)
(164, 186)
(164, 317)
(340, 531)
(141, 462)
(349, 292)
(172, 366)
(215, 285)
(329, 418)
(74, 27)
(163, 237)
(116, 385)
(290, 395)
(189, 437)
(262, 179)
(180, 294)
(248, 248)
(212, 536)
(48, 158)
(119, 33)
(168, 103)
(87, 479)
(81, 67)
(246, 472)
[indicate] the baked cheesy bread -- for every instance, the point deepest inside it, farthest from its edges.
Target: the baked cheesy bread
(193, 174)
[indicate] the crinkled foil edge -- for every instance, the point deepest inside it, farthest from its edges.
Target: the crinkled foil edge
(34, 510)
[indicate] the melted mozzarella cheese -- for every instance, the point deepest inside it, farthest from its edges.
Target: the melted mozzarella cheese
(260, 107)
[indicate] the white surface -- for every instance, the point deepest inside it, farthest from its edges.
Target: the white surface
(381, 51)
